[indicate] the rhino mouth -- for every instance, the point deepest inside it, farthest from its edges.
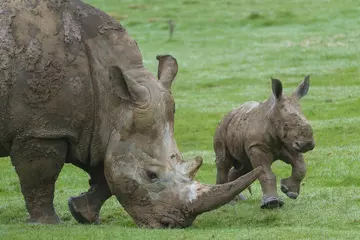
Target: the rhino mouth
(169, 222)
(303, 146)
(159, 222)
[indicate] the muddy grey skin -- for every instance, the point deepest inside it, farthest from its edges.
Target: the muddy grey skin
(257, 134)
(73, 89)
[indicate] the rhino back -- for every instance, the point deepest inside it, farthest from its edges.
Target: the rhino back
(45, 82)
(237, 130)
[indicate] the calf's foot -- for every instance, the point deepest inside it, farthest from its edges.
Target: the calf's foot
(239, 197)
(271, 203)
(290, 189)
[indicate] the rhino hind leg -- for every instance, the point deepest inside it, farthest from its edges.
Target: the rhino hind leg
(222, 173)
(86, 207)
(38, 163)
(235, 174)
(223, 162)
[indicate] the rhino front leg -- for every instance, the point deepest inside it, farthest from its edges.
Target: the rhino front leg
(38, 163)
(86, 207)
(267, 178)
(291, 185)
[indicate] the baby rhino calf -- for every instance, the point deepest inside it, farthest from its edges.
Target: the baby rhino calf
(257, 134)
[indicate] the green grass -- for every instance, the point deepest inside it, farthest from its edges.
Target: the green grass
(227, 51)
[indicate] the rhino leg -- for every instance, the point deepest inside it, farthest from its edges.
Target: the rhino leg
(38, 163)
(86, 207)
(267, 178)
(291, 185)
(235, 174)
(223, 162)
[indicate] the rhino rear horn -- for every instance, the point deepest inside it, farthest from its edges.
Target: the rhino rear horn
(167, 70)
(192, 166)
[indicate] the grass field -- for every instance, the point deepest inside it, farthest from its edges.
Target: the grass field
(227, 51)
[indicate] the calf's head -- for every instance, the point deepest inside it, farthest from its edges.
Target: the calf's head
(291, 125)
(143, 165)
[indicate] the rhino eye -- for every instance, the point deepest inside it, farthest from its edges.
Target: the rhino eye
(285, 134)
(151, 175)
(286, 128)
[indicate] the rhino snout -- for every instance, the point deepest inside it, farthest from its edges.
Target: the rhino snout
(165, 221)
(304, 146)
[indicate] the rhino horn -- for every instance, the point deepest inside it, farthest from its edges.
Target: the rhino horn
(210, 197)
(192, 166)
(167, 70)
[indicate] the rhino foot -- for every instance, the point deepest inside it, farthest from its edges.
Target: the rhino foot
(286, 190)
(80, 210)
(44, 220)
(239, 197)
(271, 203)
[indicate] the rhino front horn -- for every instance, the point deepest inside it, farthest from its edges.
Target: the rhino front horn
(213, 196)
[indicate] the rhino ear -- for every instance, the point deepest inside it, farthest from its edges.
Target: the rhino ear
(276, 87)
(167, 70)
(125, 87)
(303, 88)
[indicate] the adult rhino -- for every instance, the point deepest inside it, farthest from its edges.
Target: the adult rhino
(73, 89)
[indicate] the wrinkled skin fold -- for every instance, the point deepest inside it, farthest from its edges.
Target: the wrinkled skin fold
(74, 89)
(259, 133)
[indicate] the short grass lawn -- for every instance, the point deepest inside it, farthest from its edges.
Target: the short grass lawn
(227, 51)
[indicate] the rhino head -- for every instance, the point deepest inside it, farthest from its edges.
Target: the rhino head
(292, 127)
(143, 165)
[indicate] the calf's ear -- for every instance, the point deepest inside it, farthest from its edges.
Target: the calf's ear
(303, 88)
(276, 88)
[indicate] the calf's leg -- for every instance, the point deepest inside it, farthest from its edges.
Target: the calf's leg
(291, 185)
(235, 174)
(267, 178)
(38, 163)
(223, 162)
